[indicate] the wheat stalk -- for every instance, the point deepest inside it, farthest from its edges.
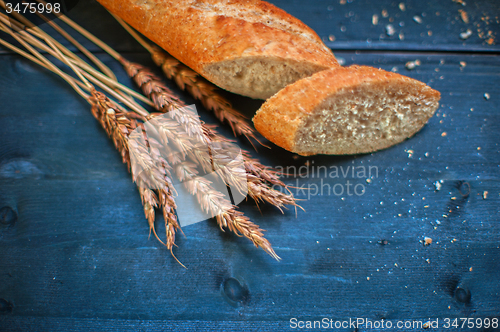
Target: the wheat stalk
(119, 124)
(210, 200)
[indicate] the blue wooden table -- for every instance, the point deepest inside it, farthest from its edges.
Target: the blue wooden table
(74, 248)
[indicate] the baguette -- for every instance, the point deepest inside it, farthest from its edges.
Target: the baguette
(249, 47)
(346, 110)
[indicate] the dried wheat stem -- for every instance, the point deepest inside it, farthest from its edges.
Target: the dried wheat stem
(42, 64)
(43, 59)
(87, 53)
(94, 76)
(119, 124)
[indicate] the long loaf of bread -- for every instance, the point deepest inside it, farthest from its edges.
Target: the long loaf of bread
(249, 47)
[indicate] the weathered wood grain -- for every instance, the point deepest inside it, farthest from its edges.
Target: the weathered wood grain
(74, 247)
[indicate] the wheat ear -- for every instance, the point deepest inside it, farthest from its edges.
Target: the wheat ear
(165, 101)
(119, 124)
(227, 215)
(210, 200)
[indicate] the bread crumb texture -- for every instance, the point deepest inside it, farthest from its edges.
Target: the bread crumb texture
(347, 110)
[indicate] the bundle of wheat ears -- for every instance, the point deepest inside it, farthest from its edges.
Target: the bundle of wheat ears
(184, 128)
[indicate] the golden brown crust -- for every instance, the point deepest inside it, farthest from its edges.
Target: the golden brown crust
(281, 117)
(200, 33)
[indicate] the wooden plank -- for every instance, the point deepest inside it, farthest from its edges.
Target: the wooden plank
(347, 25)
(75, 251)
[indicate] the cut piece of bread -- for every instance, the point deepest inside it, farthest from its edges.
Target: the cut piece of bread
(346, 110)
(249, 47)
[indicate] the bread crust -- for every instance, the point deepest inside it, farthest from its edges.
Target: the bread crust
(204, 32)
(282, 116)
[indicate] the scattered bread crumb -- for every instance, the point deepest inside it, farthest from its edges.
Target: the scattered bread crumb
(385, 13)
(464, 15)
(466, 34)
(443, 134)
(438, 185)
(463, 64)
(485, 194)
(331, 38)
(375, 19)
(410, 65)
(487, 96)
(427, 241)
(402, 7)
(389, 30)
(417, 19)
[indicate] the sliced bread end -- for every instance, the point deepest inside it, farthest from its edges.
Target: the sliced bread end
(347, 110)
